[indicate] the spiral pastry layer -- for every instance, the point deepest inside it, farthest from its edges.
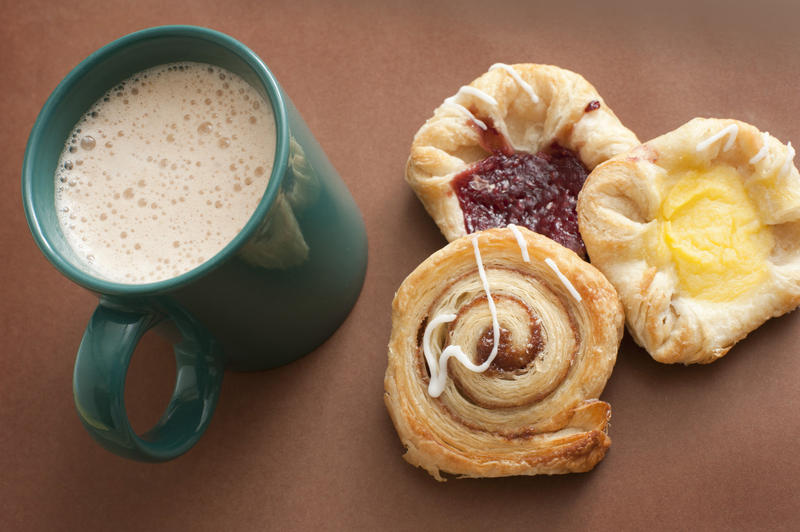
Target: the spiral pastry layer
(534, 410)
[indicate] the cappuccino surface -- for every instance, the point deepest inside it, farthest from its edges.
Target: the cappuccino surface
(163, 171)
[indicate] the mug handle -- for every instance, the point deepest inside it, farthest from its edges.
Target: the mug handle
(102, 365)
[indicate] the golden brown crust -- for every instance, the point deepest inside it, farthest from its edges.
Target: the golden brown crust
(449, 142)
(543, 418)
(618, 214)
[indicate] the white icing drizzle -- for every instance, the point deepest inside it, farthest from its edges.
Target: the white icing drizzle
(450, 103)
(523, 247)
(763, 151)
(732, 130)
(789, 158)
(472, 91)
(439, 371)
(563, 279)
(514, 74)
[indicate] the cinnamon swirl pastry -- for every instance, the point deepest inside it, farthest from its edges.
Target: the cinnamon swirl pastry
(501, 343)
(514, 146)
(699, 231)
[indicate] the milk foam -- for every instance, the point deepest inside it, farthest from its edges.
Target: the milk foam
(163, 171)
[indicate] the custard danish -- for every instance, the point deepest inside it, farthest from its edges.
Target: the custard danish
(699, 231)
(501, 344)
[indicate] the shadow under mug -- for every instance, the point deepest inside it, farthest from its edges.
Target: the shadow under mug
(279, 289)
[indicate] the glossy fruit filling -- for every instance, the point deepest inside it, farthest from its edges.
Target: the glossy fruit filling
(538, 191)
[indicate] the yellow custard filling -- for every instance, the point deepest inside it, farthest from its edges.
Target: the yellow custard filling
(714, 234)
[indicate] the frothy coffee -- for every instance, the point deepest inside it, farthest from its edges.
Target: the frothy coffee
(163, 171)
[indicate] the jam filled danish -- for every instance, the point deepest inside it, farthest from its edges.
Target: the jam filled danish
(501, 344)
(514, 146)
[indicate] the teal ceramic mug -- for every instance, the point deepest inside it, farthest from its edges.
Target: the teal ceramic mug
(275, 292)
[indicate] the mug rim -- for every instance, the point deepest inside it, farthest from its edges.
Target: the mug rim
(280, 164)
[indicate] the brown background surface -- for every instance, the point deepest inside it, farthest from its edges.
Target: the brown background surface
(310, 445)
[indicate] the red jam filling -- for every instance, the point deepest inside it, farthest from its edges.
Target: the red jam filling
(538, 191)
(492, 140)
